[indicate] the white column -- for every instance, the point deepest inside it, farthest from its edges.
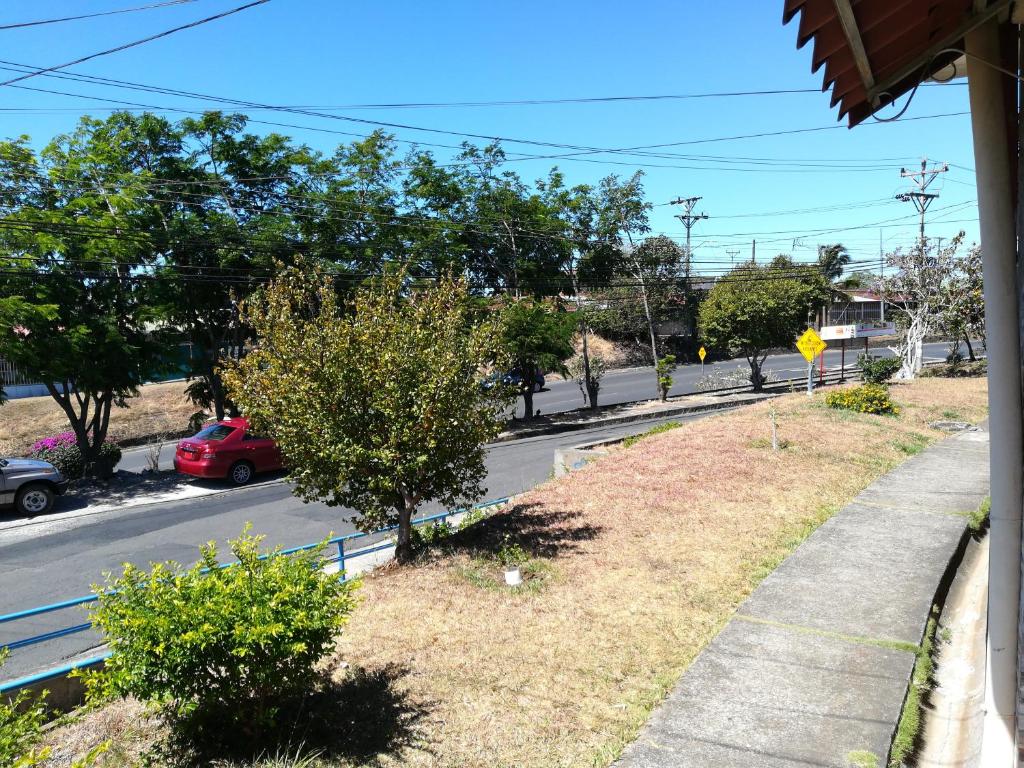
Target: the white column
(998, 242)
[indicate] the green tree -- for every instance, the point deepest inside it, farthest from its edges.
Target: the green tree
(513, 238)
(832, 261)
(963, 303)
(231, 214)
(755, 308)
(76, 308)
(375, 402)
(593, 255)
(535, 335)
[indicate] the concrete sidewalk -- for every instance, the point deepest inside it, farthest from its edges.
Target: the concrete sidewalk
(814, 666)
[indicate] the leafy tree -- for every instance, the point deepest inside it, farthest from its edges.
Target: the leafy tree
(755, 308)
(511, 236)
(535, 335)
(375, 402)
(75, 300)
(832, 261)
(963, 303)
(652, 271)
(594, 254)
(916, 288)
(588, 372)
(233, 213)
(666, 366)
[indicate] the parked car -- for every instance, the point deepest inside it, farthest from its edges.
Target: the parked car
(30, 485)
(514, 377)
(227, 449)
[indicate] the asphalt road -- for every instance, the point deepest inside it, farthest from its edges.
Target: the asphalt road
(58, 559)
(624, 386)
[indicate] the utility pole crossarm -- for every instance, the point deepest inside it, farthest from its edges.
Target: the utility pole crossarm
(689, 218)
(920, 197)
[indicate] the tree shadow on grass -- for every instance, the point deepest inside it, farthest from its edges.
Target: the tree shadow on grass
(543, 533)
(359, 719)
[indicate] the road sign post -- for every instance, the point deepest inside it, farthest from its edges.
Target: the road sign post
(810, 346)
(702, 353)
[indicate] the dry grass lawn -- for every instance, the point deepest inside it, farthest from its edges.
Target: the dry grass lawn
(160, 409)
(637, 561)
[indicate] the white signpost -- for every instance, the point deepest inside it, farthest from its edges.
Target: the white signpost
(864, 331)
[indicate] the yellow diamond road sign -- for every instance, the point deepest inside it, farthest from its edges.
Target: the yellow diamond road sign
(702, 353)
(810, 345)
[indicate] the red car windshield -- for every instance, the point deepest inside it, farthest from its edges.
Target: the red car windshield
(214, 432)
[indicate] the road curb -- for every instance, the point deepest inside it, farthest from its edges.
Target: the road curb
(554, 429)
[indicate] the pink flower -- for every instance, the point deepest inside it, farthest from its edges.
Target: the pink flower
(20, 330)
(54, 441)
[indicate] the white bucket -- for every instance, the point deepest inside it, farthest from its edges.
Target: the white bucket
(513, 577)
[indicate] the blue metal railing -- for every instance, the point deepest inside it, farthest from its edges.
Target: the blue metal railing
(340, 559)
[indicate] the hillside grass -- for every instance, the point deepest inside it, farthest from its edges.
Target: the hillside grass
(160, 409)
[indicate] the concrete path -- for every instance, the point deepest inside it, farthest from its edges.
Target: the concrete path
(814, 666)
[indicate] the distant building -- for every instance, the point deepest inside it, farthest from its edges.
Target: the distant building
(856, 305)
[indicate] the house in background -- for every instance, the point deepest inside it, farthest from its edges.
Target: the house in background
(856, 305)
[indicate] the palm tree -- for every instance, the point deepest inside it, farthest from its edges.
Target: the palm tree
(832, 260)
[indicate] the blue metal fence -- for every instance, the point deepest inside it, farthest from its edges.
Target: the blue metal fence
(340, 559)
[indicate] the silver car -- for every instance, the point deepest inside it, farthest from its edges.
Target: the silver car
(30, 485)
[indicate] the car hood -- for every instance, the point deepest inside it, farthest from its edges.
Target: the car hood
(23, 466)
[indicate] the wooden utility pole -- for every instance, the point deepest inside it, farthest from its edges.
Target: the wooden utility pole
(689, 218)
(753, 251)
(920, 197)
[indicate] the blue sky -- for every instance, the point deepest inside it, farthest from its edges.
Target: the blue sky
(334, 53)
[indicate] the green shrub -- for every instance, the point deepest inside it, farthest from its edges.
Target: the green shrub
(20, 725)
(867, 398)
(511, 554)
(978, 519)
(962, 370)
(68, 459)
(223, 650)
(878, 370)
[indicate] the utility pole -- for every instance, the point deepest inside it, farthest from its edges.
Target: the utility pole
(920, 197)
(881, 272)
(689, 218)
(732, 256)
(753, 251)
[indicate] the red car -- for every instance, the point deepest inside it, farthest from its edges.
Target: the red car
(227, 449)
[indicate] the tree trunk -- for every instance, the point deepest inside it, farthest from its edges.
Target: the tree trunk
(403, 545)
(650, 327)
(527, 397)
(88, 421)
(970, 349)
(588, 380)
(756, 380)
(592, 389)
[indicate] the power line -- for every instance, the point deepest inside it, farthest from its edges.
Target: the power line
(24, 24)
(578, 150)
(136, 43)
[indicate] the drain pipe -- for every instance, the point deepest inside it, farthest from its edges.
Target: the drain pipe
(1006, 460)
